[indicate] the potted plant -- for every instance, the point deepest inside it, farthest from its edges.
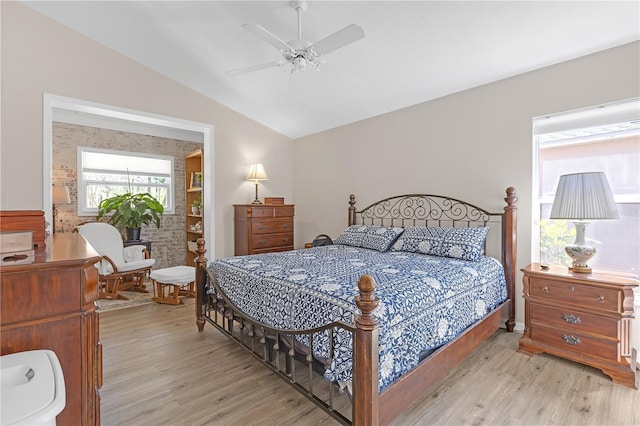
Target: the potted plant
(131, 211)
(196, 206)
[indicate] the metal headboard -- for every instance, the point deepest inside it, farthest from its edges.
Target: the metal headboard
(420, 210)
(435, 211)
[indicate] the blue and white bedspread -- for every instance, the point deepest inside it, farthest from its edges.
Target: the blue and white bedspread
(425, 301)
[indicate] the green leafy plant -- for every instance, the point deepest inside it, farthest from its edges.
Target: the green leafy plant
(131, 210)
(554, 236)
(197, 202)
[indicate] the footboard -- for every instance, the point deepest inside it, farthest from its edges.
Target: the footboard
(287, 353)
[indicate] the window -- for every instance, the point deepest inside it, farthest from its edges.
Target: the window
(607, 139)
(103, 173)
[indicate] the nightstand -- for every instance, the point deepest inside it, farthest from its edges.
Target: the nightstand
(581, 317)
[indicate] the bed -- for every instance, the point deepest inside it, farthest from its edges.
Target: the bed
(365, 327)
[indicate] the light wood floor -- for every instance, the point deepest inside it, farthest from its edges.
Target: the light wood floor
(159, 370)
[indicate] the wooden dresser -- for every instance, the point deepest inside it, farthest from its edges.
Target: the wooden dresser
(49, 304)
(262, 228)
(582, 317)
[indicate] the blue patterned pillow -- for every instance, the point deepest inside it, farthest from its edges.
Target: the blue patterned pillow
(458, 243)
(371, 237)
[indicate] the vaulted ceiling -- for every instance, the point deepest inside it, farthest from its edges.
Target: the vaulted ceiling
(412, 52)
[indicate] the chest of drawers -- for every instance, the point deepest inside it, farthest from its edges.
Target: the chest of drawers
(582, 317)
(263, 228)
(50, 304)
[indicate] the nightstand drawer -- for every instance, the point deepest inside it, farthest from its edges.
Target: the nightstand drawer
(569, 319)
(564, 293)
(271, 226)
(580, 344)
(259, 242)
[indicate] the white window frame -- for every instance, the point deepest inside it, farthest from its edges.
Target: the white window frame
(84, 210)
(616, 112)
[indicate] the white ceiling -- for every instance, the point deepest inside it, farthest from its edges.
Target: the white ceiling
(413, 51)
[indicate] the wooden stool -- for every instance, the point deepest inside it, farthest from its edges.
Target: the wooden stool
(171, 283)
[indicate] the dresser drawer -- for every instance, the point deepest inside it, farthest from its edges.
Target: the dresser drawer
(266, 241)
(45, 294)
(576, 321)
(271, 211)
(578, 343)
(590, 297)
(271, 226)
(284, 211)
(261, 212)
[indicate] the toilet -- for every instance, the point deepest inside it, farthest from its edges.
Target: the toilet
(32, 388)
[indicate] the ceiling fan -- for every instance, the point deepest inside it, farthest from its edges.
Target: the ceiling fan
(300, 53)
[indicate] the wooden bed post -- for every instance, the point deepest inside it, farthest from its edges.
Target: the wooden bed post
(509, 229)
(365, 357)
(201, 264)
(352, 210)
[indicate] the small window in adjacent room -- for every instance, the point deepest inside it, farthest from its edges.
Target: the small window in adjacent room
(599, 139)
(104, 173)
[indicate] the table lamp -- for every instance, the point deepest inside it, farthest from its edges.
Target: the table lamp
(257, 174)
(582, 197)
(59, 195)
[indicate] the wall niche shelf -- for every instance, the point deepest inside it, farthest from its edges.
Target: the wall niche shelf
(194, 191)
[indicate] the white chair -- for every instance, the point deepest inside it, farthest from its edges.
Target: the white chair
(121, 268)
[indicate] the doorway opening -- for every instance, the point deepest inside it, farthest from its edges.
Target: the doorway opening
(75, 111)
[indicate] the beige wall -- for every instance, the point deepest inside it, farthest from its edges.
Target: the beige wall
(471, 145)
(41, 56)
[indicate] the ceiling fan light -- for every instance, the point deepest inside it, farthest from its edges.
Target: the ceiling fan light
(299, 63)
(301, 52)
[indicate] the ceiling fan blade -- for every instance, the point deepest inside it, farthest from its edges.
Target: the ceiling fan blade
(256, 67)
(265, 35)
(341, 38)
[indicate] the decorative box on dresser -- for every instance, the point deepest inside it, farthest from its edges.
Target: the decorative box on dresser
(581, 317)
(263, 228)
(50, 304)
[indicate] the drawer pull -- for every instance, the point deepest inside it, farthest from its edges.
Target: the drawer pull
(600, 299)
(285, 226)
(545, 289)
(261, 242)
(571, 319)
(261, 228)
(571, 340)
(571, 288)
(286, 240)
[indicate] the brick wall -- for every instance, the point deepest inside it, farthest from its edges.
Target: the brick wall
(168, 242)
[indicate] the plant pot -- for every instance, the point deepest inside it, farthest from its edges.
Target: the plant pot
(133, 234)
(195, 210)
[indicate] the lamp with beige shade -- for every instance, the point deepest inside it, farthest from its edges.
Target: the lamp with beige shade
(257, 174)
